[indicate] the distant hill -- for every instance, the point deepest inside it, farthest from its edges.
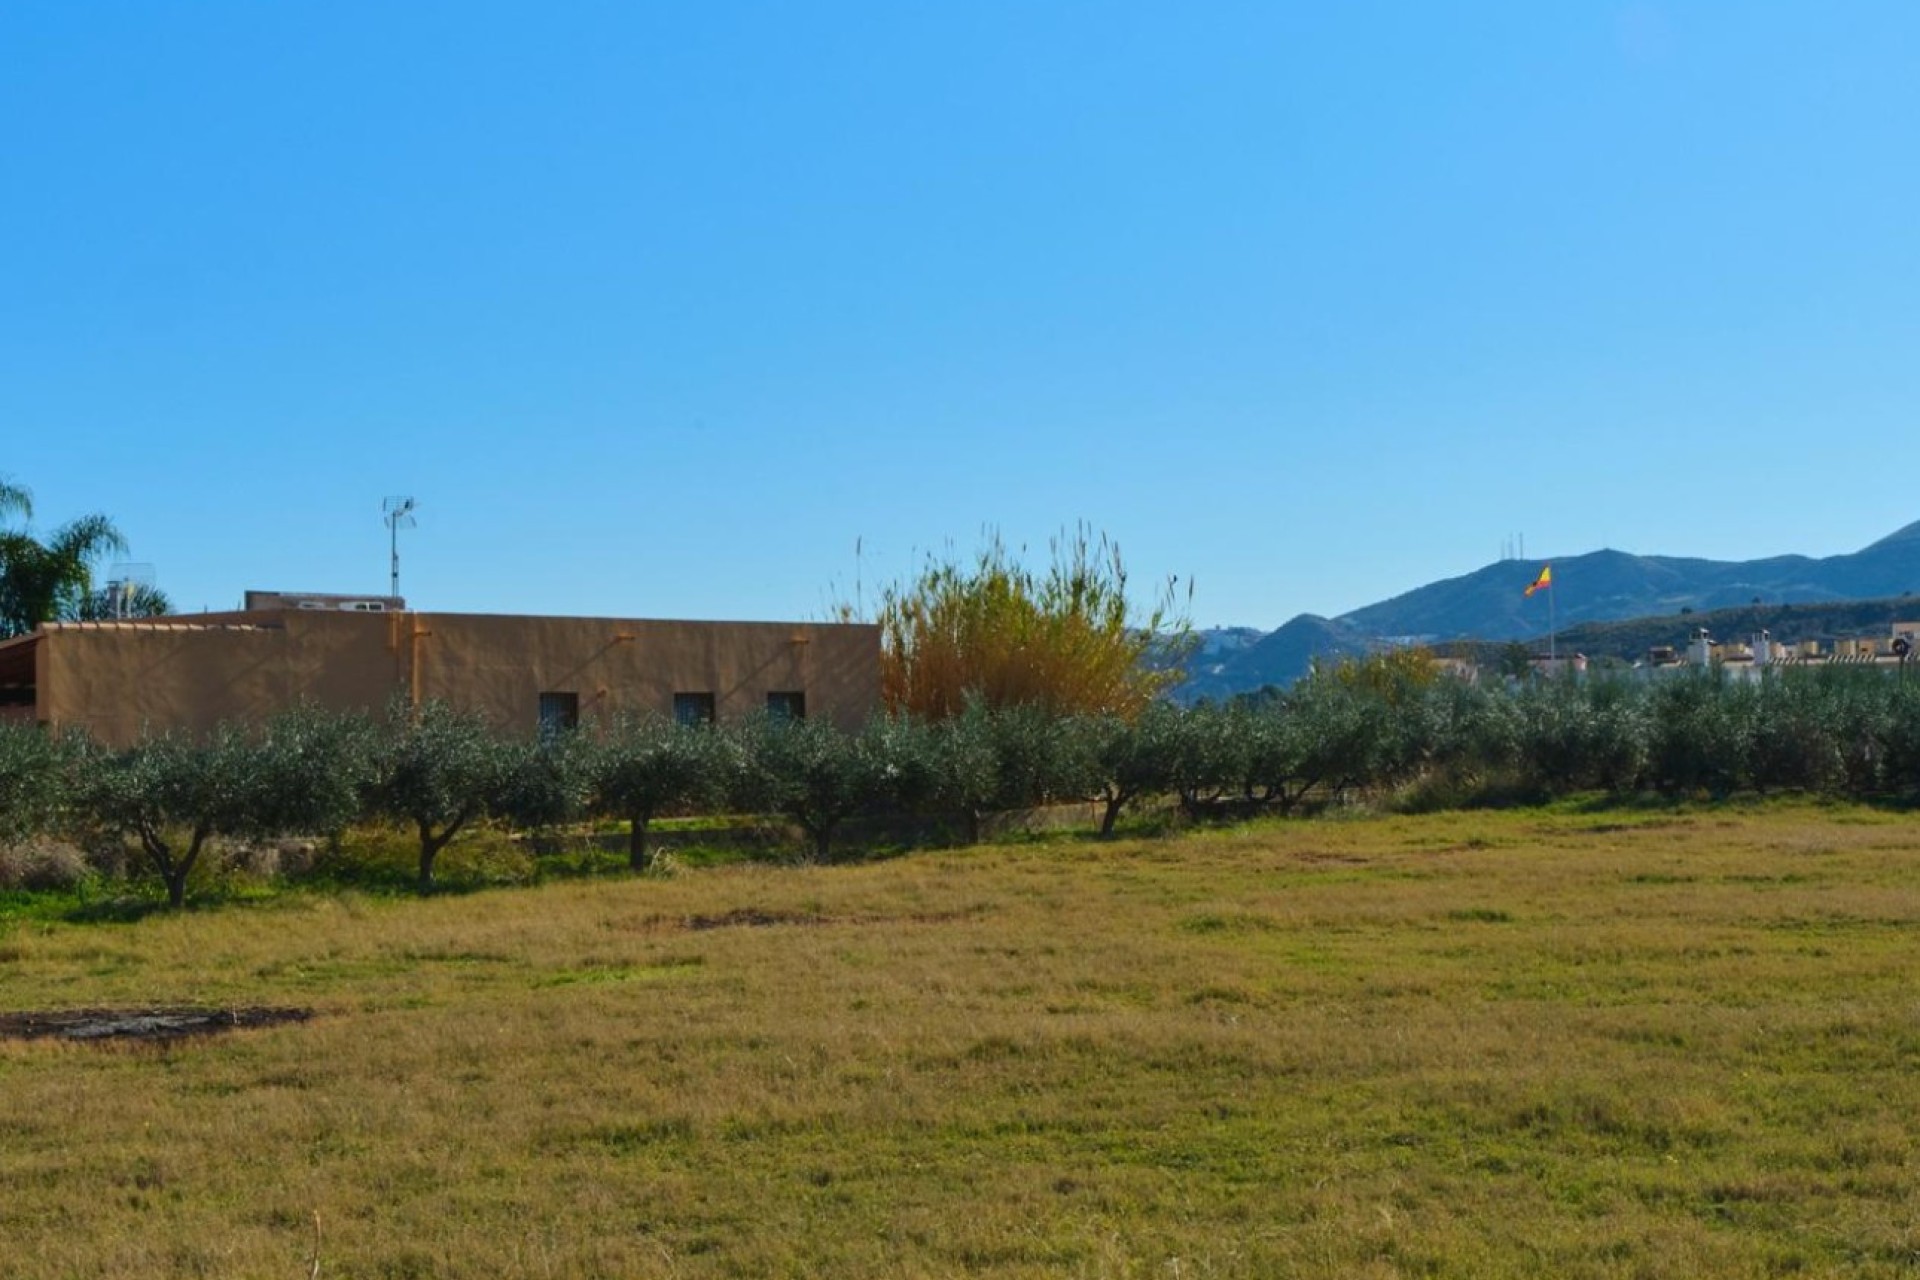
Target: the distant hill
(1280, 657)
(1489, 603)
(1648, 599)
(1216, 644)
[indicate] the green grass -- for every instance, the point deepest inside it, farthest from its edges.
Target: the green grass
(1558, 1041)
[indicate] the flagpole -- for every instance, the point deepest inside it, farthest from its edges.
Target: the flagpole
(1545, 583)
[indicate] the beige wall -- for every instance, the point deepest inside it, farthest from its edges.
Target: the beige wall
(120, 680)
(502, 664)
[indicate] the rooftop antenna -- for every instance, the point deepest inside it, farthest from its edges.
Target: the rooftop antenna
(398, 515)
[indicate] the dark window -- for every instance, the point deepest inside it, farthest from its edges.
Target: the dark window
(559, 712)
(787, 705)
(693, 708)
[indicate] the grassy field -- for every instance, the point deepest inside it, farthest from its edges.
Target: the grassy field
(1679, 1043)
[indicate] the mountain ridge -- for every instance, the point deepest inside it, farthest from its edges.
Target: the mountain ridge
(1490, 605)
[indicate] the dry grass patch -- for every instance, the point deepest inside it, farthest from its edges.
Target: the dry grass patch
(1459, 1045)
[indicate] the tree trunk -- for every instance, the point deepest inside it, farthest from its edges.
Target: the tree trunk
(638, 858)
(431, 845)
(1112, 815)
(822, 839)
(429, 850)
(173, 873)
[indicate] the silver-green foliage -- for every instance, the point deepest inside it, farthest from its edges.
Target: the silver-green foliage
(175, 792)
(37, 770)
(814, 774)
(650, 766)
(437, 769)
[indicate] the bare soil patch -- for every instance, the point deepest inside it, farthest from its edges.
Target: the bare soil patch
(750, 918)
(140, 1024)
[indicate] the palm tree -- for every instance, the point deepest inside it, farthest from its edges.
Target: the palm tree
(123, 600)
(41, 581)
(14, 498)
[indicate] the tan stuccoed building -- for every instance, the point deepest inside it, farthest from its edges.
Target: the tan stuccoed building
(119, 680)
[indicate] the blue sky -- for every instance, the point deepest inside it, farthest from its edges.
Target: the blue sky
(658, 309)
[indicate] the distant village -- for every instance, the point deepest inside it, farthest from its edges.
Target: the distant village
(1748, 659)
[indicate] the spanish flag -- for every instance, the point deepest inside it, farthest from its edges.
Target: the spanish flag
(1542, 582)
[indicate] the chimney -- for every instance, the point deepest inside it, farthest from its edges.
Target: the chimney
(1700, 652)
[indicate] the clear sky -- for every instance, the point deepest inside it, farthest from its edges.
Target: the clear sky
(658, 308)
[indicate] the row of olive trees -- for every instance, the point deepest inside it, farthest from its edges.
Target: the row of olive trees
(437, 771)
(1368, 728)
(174, 794)
(1386, 723)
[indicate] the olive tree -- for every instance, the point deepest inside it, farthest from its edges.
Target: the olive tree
(1865, 704)
(1468, 735)
(1123, 761)
(1352, 734)
(1900, 767)
(647, 766)
(1700, 734)
(813, 774)
(37, 775)
(1278, 754)
(910, 761)
(1799, 737)
(544, 784)
(175, 793)
(1206, 757)
(437, 769)
(316, 769)
(1560, 737)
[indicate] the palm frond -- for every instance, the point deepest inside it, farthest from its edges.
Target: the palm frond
(17, 499)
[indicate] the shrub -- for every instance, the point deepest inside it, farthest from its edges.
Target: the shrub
(994, 631)
(43, 866)
(284, 858)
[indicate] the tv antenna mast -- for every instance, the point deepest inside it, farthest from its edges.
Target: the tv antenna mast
(398, 513)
